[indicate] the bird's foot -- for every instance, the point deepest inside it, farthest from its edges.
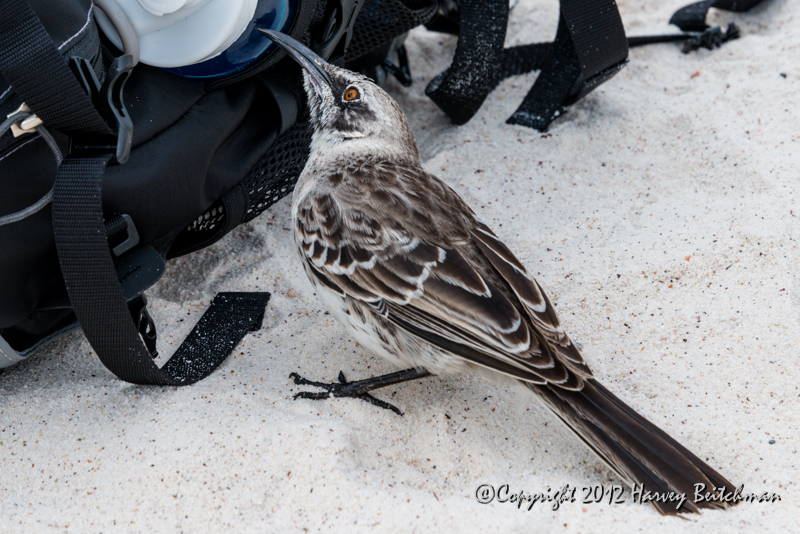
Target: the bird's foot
(343, 388)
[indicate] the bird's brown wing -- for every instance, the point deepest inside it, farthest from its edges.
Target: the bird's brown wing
(538, 307)
(432, 290)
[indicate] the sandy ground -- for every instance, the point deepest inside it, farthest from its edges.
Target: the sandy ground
(659, 215)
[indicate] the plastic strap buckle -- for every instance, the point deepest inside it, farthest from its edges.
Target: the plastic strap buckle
(108, 99)
(337, 32)
(401, 71)
(122, 234)
(144, 323)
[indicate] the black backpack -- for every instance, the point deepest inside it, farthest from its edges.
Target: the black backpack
(109, 171)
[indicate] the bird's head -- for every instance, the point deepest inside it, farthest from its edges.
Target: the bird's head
(348, 111)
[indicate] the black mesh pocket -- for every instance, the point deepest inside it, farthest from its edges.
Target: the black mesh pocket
(210, 220)
(380, 21)
(276, 173)
(271, 179)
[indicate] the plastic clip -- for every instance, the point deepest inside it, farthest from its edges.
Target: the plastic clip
(144, 323)
(115, 227)
(332, 42)
(401, 71)
(109, 101)
(712, 38)
(26, 125)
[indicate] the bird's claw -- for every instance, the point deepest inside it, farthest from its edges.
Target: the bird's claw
(341, 389)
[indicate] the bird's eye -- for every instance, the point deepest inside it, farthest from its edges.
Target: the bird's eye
(351, 94)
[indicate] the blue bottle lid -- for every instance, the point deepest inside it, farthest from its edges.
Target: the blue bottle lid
(270, 14)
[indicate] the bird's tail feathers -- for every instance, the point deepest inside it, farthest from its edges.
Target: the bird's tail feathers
(637, 450)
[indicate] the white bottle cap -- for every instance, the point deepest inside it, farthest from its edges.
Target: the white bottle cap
(165, 7)
(176, 33)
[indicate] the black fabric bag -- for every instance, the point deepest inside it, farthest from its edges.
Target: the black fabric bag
(145, 167)
(116, 171)
(205, 157)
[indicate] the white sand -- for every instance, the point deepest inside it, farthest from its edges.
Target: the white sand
(658, 215)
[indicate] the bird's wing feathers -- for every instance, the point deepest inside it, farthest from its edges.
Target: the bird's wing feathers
(419, 278)
(533, 298)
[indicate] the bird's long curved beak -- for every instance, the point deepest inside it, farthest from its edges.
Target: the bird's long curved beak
(307, 59)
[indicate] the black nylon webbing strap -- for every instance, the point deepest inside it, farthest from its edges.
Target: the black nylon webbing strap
(692, 18)
(97, 299)
(461, 89)
(39, 75)
(590, 47)
(559, 77)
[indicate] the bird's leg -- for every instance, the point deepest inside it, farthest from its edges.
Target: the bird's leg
(361, 388)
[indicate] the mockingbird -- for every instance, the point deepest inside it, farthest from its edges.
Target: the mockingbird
(403, 263)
